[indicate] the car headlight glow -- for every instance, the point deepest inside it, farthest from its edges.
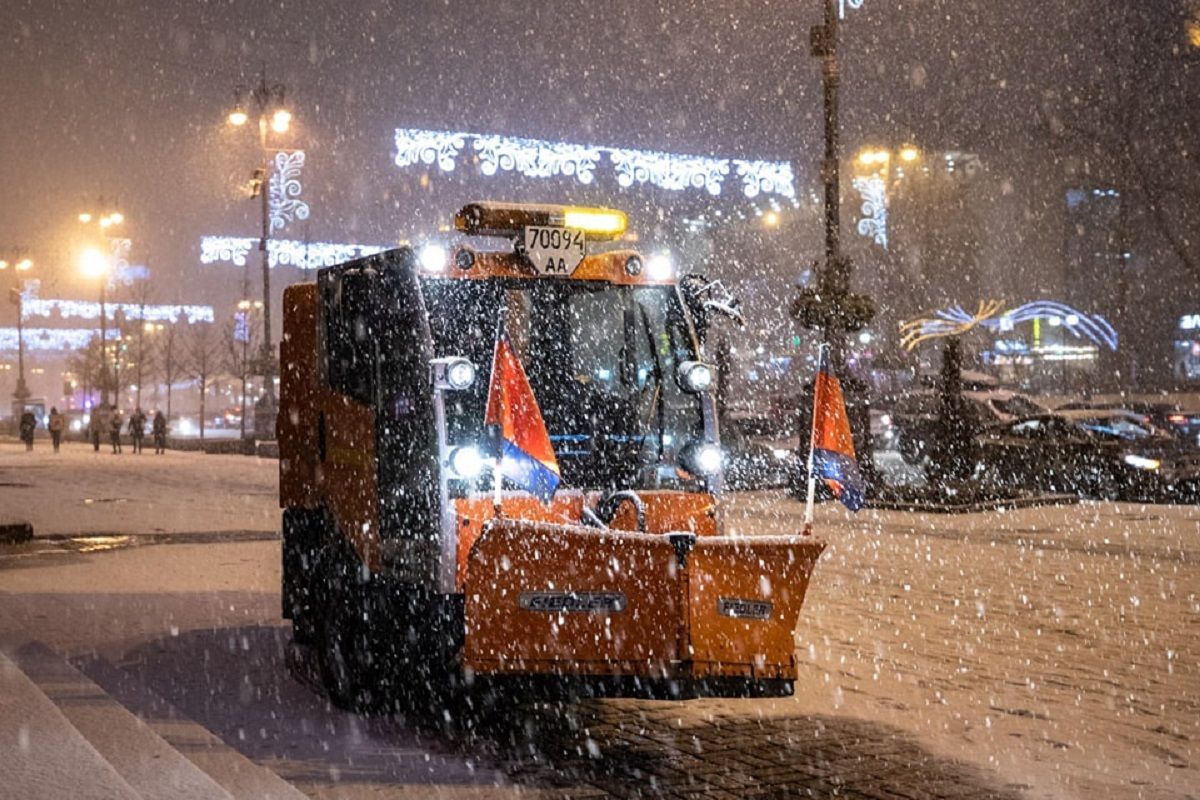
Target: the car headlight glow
(695, 376)
(702, 458)
(1141, 462)
(460, 375)
(453, 372)
(466, 462)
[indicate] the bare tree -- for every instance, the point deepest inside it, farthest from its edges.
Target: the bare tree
(169, 357)
(202, 353)
(141, 352)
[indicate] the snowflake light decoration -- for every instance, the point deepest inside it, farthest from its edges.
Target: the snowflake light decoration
(538, 158)
(283, 190)
(414, 146)
(874, 222)
(282, 252)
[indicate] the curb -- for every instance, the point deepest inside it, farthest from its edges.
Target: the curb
(975, 507)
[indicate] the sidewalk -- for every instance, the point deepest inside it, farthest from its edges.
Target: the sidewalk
(78, 492)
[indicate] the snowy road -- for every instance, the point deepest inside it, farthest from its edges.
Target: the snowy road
(1040, 653)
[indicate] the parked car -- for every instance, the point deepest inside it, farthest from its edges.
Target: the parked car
(752, 462)
(1111, 454)
(1162, 415)
(915, 416)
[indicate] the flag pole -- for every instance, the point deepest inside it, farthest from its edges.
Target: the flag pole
(498, 444)
(810, 497)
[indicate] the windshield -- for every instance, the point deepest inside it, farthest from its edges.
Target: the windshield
(1017, 406)
(1115, 428)
(601, 360)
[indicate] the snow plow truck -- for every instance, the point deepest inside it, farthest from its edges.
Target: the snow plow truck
(407, 564)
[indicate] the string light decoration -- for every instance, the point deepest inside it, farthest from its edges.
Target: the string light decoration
(283, 190)
(33, 306)
(874, 222)
(538, 158)
(844, 4)
(52, 339)
(282, 252)
(955, 321)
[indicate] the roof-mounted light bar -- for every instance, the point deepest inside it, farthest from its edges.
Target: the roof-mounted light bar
(510, 219)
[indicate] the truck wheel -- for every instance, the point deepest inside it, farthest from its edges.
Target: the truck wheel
(338, 626)
(303, 530)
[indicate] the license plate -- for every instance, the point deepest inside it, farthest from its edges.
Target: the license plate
(554, 251)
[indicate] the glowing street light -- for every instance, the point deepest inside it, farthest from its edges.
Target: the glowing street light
(93, 263)
(281, 120)
(238, 117)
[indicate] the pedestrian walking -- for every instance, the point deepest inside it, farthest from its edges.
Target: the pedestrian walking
(58, 424)
(137, 429)
(98, 425)
(114, 430)
(160, 433)
(28, 426)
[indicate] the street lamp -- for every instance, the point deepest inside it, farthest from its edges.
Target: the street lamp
(94, 263)
(16, 293)
(268, 101)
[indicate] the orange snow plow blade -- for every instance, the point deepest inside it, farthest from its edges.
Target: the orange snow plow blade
(619, 612)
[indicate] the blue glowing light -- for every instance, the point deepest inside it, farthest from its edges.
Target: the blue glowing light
(1092, 327)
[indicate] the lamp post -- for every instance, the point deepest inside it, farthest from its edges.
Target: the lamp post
(19, 265)
(273, 117)
(829, 305)
(96, 264)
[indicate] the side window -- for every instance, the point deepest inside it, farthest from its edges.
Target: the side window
(349, 339)
(1029, 429)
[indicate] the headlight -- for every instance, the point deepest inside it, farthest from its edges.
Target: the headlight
(695, 376)
(433, 258)
(1141, 462)
(660, 267)
(781, 454)
(461, 375)
(702, 458)
(455, 373)
(466, 462)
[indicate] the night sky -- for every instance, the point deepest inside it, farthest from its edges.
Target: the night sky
(127, 99)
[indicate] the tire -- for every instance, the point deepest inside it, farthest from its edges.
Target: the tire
(303, 532)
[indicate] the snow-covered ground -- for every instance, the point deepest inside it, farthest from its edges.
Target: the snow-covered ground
(1057, 647)
(81, 492)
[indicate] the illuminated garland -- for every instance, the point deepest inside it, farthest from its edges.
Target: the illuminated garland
(955, 320)
(283, 191)
(282, 252)
(537, 158)
(36, 307)
(51, 339)
(874, 222)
